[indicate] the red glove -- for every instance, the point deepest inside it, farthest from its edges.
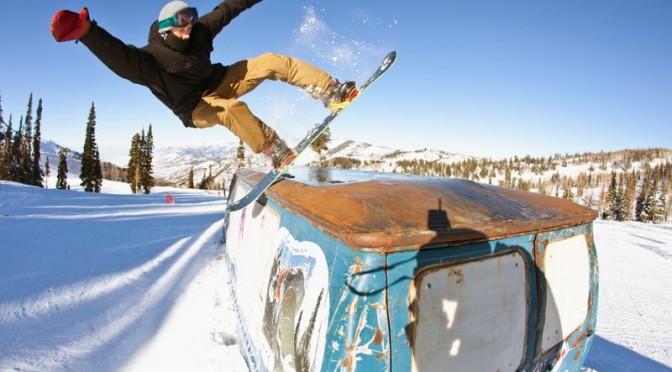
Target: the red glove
(67, 25)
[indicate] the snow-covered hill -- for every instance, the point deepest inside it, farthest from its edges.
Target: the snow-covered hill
(111, 281)
(174, 163)
(50, 150)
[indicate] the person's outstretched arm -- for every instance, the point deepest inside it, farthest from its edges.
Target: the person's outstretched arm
(224, 13)
(126, 61)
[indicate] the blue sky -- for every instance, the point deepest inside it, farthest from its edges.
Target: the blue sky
(482, 78)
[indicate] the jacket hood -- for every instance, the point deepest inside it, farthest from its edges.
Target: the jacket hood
(154, 35)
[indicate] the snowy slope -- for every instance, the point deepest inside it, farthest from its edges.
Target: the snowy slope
(91, 281)
(634, 324)
(111, 281)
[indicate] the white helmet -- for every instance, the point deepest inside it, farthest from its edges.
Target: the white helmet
(176, 13)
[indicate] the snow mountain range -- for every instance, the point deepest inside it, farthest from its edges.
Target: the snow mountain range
(173, 164)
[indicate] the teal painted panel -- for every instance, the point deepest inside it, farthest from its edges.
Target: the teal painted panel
(357, 335)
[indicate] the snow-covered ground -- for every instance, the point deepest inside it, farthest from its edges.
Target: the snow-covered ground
(634, 324)
(112, 281)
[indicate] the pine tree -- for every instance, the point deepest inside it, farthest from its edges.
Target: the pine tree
(567, 184)
(320, 145)
(211, 179)
(602, 199)
(612, 200)
(17, 157)
(630, 195)
(62, 175)
(640, 205)
(26, 159)
(2, 120)
(6, 155)
(660, 210)
(651, 201)
(208, 182)
(47, 171)
(37, 171)
(619, 206)
(146, 174)
(91, 173)
(2, 134)
(190, 181)
(140, 170)
(240, 155)
(203, 183)
(134, 163)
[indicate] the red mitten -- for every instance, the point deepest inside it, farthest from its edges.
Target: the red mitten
(67, 25)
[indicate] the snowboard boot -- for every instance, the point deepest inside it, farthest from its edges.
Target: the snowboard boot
(339, 95)
(279, 153)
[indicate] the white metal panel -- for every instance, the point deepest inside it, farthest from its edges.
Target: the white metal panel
(251, 247)
(567, 276)
(471, 316)
(281, 287)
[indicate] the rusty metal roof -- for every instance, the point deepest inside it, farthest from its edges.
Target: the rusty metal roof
(395, 214)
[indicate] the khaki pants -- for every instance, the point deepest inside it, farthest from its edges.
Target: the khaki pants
(223, 107)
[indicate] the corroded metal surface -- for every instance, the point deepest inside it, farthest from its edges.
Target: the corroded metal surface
(388, 215)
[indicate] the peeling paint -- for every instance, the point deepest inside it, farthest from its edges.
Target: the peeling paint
(378, 338)
(457, 274)
(356, 267)
(352, 309)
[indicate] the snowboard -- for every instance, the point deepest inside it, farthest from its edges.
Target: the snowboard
(278, 173)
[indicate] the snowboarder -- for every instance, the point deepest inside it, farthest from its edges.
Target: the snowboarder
(175, 65)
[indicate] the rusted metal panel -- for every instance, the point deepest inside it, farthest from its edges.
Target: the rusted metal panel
(391, 215)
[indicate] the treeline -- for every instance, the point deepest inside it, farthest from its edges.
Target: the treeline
(140, 170)
(20, 148)
(610, 184)
(623, 202)
(208, 180)
(624, 193)
(21, 153)
(20, 156)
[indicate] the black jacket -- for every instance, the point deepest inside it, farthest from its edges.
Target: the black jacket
(178, 79)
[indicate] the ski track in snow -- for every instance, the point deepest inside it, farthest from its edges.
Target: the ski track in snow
(106, 282)
(99, 282)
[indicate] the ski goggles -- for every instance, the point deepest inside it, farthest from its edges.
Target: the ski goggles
(180, 19)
